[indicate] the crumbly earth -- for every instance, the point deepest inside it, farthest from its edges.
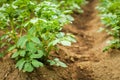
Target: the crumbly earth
(85, 59)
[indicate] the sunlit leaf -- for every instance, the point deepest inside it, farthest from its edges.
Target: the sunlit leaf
(28, 67)
(36, 40)
(36, 63)
(20, 63)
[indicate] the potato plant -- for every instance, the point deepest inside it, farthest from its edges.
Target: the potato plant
(32, 30)
(73, 5)
(110, 16)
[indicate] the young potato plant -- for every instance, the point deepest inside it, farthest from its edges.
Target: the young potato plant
(74, 5)
(110, 16)
(32, 30)
(71, 5)
(13, 16)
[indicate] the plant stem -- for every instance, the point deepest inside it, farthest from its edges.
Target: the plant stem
(13, 29)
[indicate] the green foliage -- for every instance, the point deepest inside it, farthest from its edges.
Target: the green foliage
(70, 5)
(1, 55)
(110, 16)
(74, 5)
(57, 62)
(32, 30)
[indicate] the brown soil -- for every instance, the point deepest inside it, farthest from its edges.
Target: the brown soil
(85, 59)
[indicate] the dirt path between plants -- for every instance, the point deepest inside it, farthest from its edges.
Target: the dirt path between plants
(85, 59)
(103, 66)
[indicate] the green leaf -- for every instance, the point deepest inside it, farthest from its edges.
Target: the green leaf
(22, 53)
(66, 43)
(2, 45)
(38, 55)
(36, 63)
(60, 35)
(22, 41)
(70, 18)
(20, 63)
(70, 38)
(26, 24)
(1, 55)
(16, 54)
(32, 31)
(11, 48)
(36, 40)
(52, 62)
(62, 64)
(34, 20)
(30, 46)
(59, 63)
(53, 43)
(28, 67)
(41, 53)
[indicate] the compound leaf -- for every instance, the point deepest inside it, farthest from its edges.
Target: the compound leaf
(28, 67)
(36, 63)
